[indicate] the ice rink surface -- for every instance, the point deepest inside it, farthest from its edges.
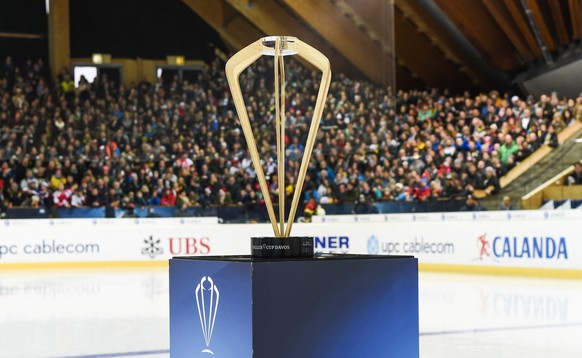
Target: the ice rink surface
(124, 313)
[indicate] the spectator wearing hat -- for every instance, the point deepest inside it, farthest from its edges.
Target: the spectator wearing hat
(29, 182)
(29, 191)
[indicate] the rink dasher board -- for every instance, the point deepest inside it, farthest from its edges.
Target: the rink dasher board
(492, 242)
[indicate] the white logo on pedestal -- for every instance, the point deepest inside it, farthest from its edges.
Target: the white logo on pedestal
(207, 297)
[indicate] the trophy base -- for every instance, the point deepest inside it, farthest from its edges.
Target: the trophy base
(273, 247)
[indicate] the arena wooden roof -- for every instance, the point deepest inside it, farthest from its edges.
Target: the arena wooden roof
(456, 44)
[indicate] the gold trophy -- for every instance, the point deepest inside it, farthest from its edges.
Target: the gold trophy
(282, 244)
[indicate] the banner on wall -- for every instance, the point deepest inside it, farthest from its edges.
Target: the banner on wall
(533, 239)
(102, 240)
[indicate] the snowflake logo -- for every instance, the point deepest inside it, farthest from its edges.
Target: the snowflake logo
(152, 248)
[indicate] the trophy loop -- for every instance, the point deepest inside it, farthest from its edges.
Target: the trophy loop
(283, 45)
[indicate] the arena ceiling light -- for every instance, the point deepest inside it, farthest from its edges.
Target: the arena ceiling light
(100, 58)
(176, 60)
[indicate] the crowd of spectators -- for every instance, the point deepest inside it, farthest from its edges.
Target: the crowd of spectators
(105, 144)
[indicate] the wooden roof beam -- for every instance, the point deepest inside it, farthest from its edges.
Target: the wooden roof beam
(504, 21)
(575, 19)
(440, 38)
(425, 59)
(521, 22)
(235, 30)
(538, 18)
(346, 37)
(415, 50)
(370, 25)
(272, 19)
(473, 19)
(559, 22)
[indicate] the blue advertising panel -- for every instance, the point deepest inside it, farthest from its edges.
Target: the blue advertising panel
(336, 308)
(329, 306)
(210, 309)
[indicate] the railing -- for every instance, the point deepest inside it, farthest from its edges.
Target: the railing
(538, 155)
(231, 214)
(552, 189)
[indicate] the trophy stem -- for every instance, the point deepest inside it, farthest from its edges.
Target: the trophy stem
(262, 181)
(280, 131)
(282, 155)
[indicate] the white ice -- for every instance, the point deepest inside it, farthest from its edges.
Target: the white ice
(124, 312)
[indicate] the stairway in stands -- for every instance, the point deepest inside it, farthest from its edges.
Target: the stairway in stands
(550, 166)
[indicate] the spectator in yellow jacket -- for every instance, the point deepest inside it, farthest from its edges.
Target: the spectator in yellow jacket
(58, 179)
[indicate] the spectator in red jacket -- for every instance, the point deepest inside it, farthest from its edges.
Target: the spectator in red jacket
(169, 197)
(62, 197)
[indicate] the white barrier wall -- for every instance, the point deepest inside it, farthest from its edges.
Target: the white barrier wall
(521, 239)
(103, 240)
(526, 239)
